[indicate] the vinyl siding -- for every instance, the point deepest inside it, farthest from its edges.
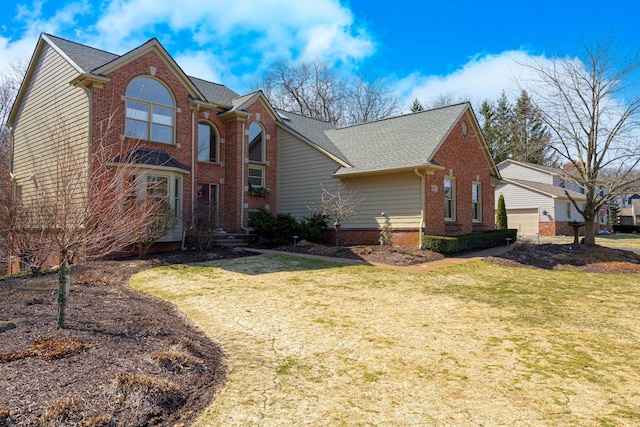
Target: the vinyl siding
(519, 198)
(397, 195)
(515, 171)
(301, 170)
(50, 104)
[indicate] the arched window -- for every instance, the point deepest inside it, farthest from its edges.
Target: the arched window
(256, 143)
(150, 111)
(208, 143)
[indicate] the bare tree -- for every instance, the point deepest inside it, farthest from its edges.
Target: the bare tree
(162, 221)
(593, 121)
(339, 206)
(76, 212)
(9, 84)
(316, 90)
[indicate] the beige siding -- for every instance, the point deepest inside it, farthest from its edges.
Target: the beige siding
(521, 198)
(397, 195)
(50, 105)
(515, 171)
(301, 169)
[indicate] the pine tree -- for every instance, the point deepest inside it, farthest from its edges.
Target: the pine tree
(614, 212)
(530, 136)
(416, 106)
(501, 214)
(503, 128)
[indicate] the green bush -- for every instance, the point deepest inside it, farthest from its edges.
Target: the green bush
(501, 214)
(279, 229)
(466, 242)
(626, 228)
(314, 228)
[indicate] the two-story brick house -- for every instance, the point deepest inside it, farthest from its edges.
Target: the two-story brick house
(200, 143)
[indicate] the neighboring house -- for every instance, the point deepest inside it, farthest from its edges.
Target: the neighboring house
(630, 199)
(631, 215)
(536, 199)
(199, 143)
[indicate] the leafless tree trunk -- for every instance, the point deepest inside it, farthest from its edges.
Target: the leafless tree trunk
(593, 118)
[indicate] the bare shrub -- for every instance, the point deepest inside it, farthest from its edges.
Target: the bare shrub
(62, 412)
(147, 393)
(176, 361)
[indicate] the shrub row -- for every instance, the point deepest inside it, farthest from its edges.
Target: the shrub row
(626, 228)
(280, 228)
(466, 242)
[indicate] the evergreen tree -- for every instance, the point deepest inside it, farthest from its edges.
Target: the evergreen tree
(487, 113)
(501, 214)
(530, 136)
(416, 106)
(614, 212)
(503, 128)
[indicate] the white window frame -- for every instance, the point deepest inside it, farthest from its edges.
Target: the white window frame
(451, 179)
(476, 205)
(262, 176)
(568, 211)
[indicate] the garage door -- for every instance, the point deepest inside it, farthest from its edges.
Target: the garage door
(525, 220)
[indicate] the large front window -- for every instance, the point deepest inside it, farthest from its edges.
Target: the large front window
(150, 111)
(449, 199)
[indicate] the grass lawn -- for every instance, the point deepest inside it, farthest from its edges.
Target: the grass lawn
(309, 342)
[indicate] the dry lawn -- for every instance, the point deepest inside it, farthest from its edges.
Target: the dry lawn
(309, 342)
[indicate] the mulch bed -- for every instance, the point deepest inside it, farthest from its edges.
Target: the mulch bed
(391, 255)
(588, 259)
(124, 359)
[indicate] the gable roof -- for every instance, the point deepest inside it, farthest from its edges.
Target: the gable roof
(541, 168)
(548, 189)
(402, 142)
(89, 60)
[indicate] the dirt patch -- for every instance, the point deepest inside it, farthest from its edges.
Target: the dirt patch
(590, 259)
(124, 359)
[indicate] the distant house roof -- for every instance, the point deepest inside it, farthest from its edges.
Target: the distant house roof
(548, 189)
(151, 157)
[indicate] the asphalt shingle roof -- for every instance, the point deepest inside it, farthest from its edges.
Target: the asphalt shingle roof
(214, 91)
(312, 129)
(399, 142)
(85, 57)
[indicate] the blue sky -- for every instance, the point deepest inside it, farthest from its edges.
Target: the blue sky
(426, 48)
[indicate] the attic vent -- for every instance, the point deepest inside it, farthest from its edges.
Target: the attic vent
(152, 70)
(464, 128)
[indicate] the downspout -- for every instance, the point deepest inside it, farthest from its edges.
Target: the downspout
(423, 199)
(193, 178)
(193, 164)
(242, 227)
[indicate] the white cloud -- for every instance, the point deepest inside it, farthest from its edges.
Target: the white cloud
(482, 77)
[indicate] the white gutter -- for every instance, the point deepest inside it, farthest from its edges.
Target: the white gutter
(423, 199)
